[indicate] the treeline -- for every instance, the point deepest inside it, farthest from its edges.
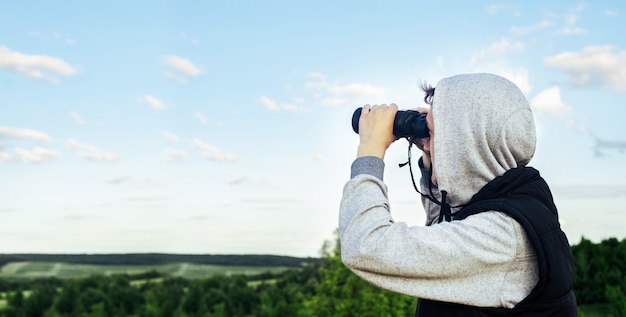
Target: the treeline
(600, 274)
(320, 288)
(157, 258)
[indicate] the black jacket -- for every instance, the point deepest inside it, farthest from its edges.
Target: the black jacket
(522, 194)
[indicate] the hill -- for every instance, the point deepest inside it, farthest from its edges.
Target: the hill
(157, 259)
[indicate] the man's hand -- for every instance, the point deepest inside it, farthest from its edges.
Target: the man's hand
(376, 129)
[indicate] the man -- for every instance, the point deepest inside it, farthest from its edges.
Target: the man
(492, 245)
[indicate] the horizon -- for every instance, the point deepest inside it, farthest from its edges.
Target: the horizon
(225, 128)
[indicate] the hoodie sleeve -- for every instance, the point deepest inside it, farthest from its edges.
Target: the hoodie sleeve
(463, 261)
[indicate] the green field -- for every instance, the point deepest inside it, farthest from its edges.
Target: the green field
(68, 271)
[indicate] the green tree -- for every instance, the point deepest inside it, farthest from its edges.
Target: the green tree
(193, 305)
(40, 300)
(340, 293)
(94, 300)
(125, 299)
(67, 303)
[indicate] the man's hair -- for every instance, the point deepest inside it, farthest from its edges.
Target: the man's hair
(430, 92)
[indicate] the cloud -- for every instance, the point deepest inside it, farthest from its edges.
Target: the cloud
(499, 48)
(237, 181)
(24, 134)
(220, 157)
(612, 13)
(153, 102)
(327, 93)
(5, 157)
(271, 105)
(523, 30)
(40, 67)
(493, 9)
(173, 155)
(520, 78)
(315, 75)
(549, 101)
(212, 152)
(334, 94)
(320, 157)
(119, 180)
(37, 155)
(594, 66)
(175, 78)
(570, 21)
(570, 30)
(91, 152)
(56, 36)
(181, 67)
(186, 38)
(77, 118)
(201, 118)
(171, 136)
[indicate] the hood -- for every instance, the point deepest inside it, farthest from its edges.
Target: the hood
(484, 126)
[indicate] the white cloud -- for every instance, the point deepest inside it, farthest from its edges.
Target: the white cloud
(171, 136)
(186, 38)
(175, 78)
(441, 65)
(594, 66)
(24, 134)
(220, 157)
(213, 152)
(323, 92)
(37, 155)
(77, 118)
(173, 155)
(201, 118)
(320, 157)
(271, 105)
(348, 94)
(494, 8)
(91, 152)
(315, 75)
(153, 102)
(197, 144)
(34, 66)
(549, 101)
(612, 13)
(99, 156)
(519, 78)
(5, 157)
(523, 30)
(56, 36)
(499, 48)
(182, 65)
(570, 28)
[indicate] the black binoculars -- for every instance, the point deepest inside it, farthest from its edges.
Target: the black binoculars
(407, 123)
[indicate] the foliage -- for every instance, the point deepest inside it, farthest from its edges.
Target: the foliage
(600, 274)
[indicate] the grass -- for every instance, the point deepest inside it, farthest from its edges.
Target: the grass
(68, 271)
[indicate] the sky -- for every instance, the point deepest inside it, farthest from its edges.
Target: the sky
(223, 127)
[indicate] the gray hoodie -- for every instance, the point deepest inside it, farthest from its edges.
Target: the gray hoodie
(483, 127)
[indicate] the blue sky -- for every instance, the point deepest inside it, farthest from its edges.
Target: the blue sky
(224, 127)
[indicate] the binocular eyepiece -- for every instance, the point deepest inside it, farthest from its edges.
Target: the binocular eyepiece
(407, 123)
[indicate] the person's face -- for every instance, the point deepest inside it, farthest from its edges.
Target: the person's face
(430, 145)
